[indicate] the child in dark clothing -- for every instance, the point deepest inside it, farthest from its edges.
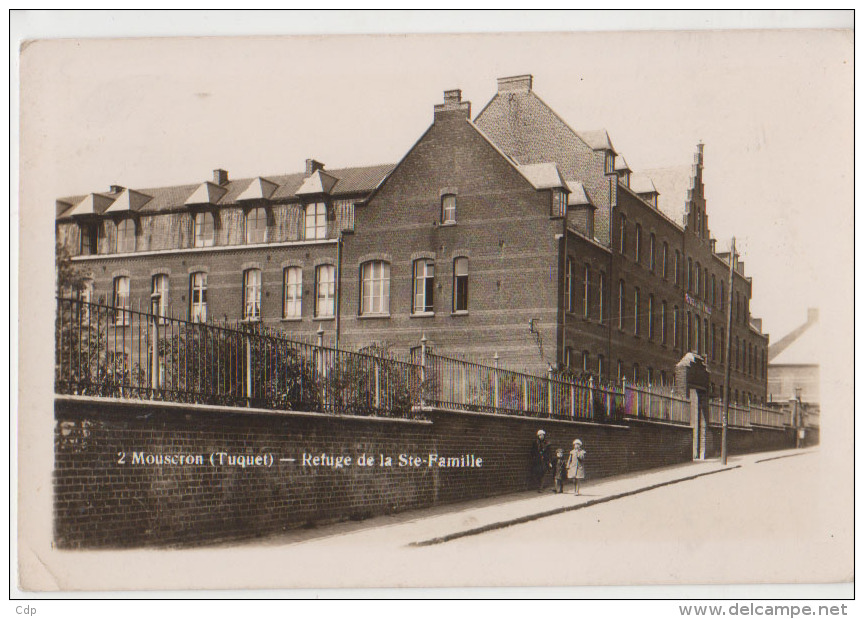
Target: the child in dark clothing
(560, 471)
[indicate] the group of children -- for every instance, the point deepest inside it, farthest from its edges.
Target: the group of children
(571, 467)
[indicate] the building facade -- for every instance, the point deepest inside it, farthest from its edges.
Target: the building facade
(509, 235)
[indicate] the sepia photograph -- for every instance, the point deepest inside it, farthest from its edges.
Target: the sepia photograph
(401, 310)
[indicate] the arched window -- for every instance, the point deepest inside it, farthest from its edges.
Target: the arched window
(159, 295)
(256, 225)
(292, 304)
(122, 302)
(126, 236)
(460, 285)
(205, 230)
(252, 294)
(325, 291)
(652, 251)
(374, 288)
(198, 297)
(622, 303)
(316, 221)
(448, 209)
(424, 286)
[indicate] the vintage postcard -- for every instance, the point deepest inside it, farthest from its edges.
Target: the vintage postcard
(493, 310)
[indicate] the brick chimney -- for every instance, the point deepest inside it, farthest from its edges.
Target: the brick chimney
(453, 105)
(220, 177)
(116, 188)
(520, 83)
(313, 166)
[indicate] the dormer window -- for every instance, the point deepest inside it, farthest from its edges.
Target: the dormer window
(448, 209)
(126, 236)
(205, 230)
(89, 239)
(316, 221)
(256, 225)
(610, 162)
(559, 203)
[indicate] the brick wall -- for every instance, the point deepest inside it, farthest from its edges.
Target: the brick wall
(102, 503)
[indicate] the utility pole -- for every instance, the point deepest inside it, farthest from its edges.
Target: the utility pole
(728, 369)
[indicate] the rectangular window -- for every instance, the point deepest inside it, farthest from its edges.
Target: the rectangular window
(252, 294)
(126, 236)
(159, 296)
(621, 304)
(559, 203)
(677, 268)
(325, 291)
(623, 235)
(460, 285)
(722, 345)
(256, 225)
(638, 244)
(652, 258)
(663, 322)
(586, 293)
(316, 221)
(569, 288)
(602, 300)
(205, 230)
(651, 317)
(636, 311)
(375, 288)
(424, 286)
(198, 297)
(122, 302)
(600, 367)
(586, 360)
(292, 305)
(89, 239)
(448, 209)
(665, 260)
(675, 327)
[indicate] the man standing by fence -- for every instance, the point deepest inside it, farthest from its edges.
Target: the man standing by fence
(539, 460)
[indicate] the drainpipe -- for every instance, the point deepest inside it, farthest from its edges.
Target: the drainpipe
(338, 289)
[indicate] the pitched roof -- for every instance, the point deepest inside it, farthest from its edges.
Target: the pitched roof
(801, 346)
(258, 189)
(578, 195)
(128, 200)
(319, 182)
(597, 139)
(642, 184)
(348, 182)
(542, 175)
(621, 164)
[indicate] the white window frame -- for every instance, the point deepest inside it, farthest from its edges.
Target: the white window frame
(375, 288)
(292, 297)
(316, 221)
(256, 233)
(205, 223)
(460, 284)
(424, 287)
(448, 208)
(198, 296)
(122, 301)
(325, 291)
(160, 286)
(252, 285)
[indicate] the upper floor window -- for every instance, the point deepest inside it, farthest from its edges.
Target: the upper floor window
(126, 236)
(159, 296)
(559, 203)
(665, 260)
(460, 285)
(663, 322)
(325, 291)
(722, 296)
(586, 360)
(675, 322)
(293, 292)
(622, 235)
(698, 280)
(256, 225)
(713, 289)
(89, 239)
(424, 286)
(636, 311)
(198, 297)
(638, 244)
(252, 294)
(122, 302)
(705, 283)
(677, 268)
(652, 252)
(448, 208)
(375, 288)
(650, 316)
(602, 291)
(569, 288)
(316, 221)
(205, 230)
(610, 162)
(586, 292)
(621, 304)
(688, 275)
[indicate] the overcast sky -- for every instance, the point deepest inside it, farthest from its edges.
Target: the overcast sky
(774, 110)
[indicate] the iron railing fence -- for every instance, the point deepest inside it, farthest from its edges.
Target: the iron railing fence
(119, 352)
(125, 353)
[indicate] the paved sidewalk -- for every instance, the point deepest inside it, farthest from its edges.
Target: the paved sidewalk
(439, 524)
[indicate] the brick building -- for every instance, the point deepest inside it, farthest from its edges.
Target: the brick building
(512, 234)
